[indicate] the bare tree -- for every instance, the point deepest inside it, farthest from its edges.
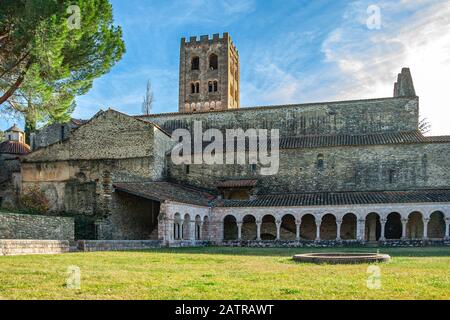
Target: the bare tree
(424, 126)
(147, 104)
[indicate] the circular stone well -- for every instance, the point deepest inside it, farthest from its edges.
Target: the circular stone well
(341, 258)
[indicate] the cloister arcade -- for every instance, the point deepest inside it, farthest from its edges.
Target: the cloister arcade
(328, 226)
(369, 224)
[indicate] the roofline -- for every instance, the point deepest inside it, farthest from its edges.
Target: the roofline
(252, 108)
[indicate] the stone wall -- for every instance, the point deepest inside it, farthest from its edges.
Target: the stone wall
(117, 245)
(22, 226)
(359, 168)
(25, 247)
(347, 117)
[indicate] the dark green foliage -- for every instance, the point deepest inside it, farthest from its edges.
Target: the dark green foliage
(45, 62)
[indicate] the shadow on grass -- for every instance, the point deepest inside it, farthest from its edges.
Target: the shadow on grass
(284, 252)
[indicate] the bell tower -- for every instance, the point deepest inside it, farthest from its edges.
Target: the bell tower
(209, 74)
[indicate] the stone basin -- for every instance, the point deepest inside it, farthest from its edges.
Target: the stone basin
(341, 258)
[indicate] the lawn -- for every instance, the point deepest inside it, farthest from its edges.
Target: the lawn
(224, 273)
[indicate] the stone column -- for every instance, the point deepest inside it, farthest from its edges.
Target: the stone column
(258, 230)
(361, 229)
(278, 224)
(338, 229)
(318, 223)
(181, 229)
(297, 230)
(383, 227)
(447, 229)
(404, 225)
(200, 231)
(192, 231)
(239, 226)
(425, 228)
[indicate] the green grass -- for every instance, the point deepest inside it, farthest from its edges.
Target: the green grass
(224, 273)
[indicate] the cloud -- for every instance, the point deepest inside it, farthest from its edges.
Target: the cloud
(413, 34)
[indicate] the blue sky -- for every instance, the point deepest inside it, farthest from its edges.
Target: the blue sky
(291, 51)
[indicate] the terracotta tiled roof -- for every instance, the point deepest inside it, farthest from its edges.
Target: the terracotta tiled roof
(160, 191)
(237, 183)
(348, 140)
(341, 198)
(437, 139)
(351, 140)
(14, 147)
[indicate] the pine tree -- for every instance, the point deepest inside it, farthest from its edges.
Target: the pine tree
(51, 51)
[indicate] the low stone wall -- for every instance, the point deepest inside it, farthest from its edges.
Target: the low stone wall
(292, 244)
(186, 243)
(117, 245)
(332, 243)
(24, 226)
(23, 247)
(414, 243)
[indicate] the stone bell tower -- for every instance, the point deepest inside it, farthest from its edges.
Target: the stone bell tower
(209, 74)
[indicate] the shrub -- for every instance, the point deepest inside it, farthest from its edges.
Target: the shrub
(33, 200)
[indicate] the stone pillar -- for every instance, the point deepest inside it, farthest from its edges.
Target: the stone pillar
(404, 225)
(239, 226)
(181, 230)
(258, 230)
(447, 229)
(297, 230)
(425, 228)
(338, 229)
(200, 231)
(383, 226)
(278, 224)
(361, 229)
(192, 231)
(318, 223)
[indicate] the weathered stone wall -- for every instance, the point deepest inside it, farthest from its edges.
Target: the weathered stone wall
(77, 174)
(347, 117)
(25, 247)
(50, 134)
(22, 226)
(131, 218)
(117, 245)
(361, 168)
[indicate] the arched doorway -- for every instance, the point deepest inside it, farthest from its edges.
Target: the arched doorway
(348, 227)
(328, 227)
(414, 227)
(436, 225)
(177, 227)
(372, 227)
(268, 228)
(230, 229)
(288, 227)
(308, 227)
(249, 228)
(393, 229)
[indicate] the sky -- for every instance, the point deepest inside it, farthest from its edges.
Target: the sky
(291, 51)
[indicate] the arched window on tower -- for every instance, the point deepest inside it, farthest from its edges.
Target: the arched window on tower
(197, 87)
(215, 86)
(320, 162)
(192, 88)
(213, 62)
(195, 63)
(210, 86)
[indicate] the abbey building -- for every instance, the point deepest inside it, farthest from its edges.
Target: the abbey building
(349, 171)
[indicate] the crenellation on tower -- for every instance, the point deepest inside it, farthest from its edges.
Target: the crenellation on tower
(209, 74)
